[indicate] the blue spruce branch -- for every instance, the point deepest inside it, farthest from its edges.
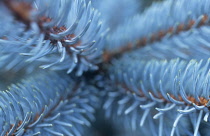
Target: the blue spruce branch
(148, 75)
(37, 106)
(158, 23)
(62, 35)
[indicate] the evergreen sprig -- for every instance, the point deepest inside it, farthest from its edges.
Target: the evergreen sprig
(70, 64)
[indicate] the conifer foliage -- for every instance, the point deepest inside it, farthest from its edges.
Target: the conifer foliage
(109, 67)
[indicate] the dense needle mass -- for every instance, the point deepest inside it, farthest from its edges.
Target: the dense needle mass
(96, 68)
